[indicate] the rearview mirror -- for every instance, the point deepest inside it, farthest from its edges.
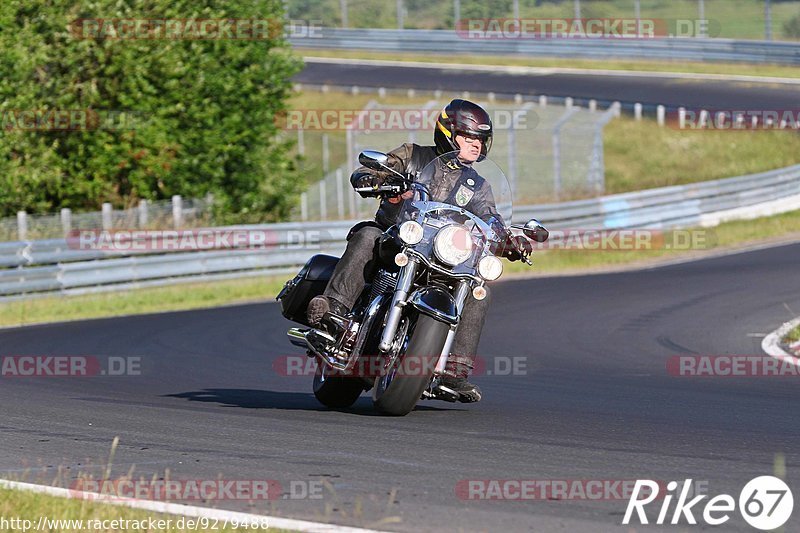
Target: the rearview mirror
(534, 230)
(373, 159)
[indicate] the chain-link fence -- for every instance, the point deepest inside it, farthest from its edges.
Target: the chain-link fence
(549, 152)
(164, 214)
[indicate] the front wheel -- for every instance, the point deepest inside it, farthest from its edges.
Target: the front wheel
(397, 391)
(334, 390)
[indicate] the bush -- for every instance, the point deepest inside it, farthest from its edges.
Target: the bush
(203, 110)
(791, 28)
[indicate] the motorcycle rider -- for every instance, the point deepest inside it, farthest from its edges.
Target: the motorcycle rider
(462, 127)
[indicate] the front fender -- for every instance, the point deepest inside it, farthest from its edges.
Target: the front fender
(435, 302)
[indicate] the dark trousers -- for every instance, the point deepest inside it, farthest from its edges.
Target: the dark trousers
(358, 265)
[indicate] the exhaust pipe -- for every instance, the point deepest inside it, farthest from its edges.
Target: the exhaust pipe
(297, 337)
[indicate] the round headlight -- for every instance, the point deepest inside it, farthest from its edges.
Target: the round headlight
(490, 268)
(453, 244)
(410, 232)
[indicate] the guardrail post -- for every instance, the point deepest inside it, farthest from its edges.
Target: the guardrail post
(617, 107)
(411, 93)
(637, 111)
(437, 94)
(354, 89)
(661, 115)
(490, 97)
(177, 211)
(592, 105)
(682, 118)
(382, 92)
(568, 102)
(142, 213)
(517, 98)
(66, 220)
(106, 215)
(542, 100)
(22, 225)
(400, 23)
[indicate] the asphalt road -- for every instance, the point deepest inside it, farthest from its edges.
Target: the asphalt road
(594, 402)
(649, 90)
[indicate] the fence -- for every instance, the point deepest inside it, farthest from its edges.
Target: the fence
(549, 152)
(176, 213)
(42, 267)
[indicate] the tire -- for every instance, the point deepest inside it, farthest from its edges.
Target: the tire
(425, 339)
(336, 391)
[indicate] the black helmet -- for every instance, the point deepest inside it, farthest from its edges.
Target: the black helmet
(466, 118)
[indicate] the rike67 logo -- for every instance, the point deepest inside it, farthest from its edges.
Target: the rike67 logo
(765, 503)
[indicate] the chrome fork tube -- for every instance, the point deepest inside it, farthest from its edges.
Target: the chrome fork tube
(404, 281)
(462, 293)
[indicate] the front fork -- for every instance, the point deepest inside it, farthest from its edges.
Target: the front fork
(404, 282)
(462, 292)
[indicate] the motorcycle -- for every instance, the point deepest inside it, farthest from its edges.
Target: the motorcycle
(397, 337)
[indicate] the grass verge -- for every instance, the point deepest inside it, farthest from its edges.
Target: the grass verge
(70, 515)
(793, 335)
(207, 295)
(688, 67)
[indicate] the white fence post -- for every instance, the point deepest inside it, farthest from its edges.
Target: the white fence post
(143, 215)
(661, 113)
(66, 220)
(22, 225)
(107, 209)
(340, 192)
(326, 154)
(593, 105)
(542, 100)
(682, 118)
(177, 211)
(637, 111)
(323, 202)
(569, 102)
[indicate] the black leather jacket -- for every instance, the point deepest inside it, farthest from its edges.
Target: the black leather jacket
(453, 185)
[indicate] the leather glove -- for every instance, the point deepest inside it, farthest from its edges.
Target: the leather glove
(516, 248)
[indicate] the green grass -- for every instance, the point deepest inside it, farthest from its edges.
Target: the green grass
(740, 19)
(633, 149)
(735, 69)
(206, 295)
(725, 236)
(152, 300)
(794, 335)
(31, 506)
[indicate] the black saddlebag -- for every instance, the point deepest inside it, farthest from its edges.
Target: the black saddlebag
(309, 282)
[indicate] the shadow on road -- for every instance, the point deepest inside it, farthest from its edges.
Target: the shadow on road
(267, 399)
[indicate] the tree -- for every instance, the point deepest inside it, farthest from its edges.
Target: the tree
(161, 116)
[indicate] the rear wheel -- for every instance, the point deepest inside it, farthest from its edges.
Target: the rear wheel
(334, 390)
(397, 391)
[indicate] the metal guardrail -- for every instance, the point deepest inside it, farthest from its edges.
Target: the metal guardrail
(449, 42)
(42, 267)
